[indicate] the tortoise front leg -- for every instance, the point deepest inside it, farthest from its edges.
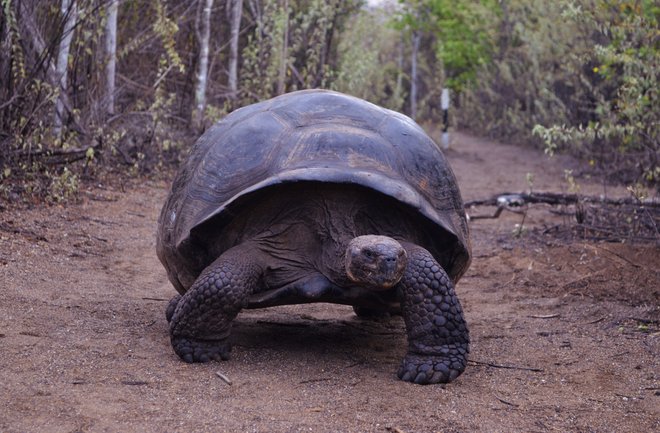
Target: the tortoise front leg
(438, 339)
(200, 320)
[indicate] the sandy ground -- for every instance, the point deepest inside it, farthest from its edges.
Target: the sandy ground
(565, 334)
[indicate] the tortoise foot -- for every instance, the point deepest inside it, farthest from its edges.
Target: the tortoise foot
(425, 369)
(169, 312)
(191, 350)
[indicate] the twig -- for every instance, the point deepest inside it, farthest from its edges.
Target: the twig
(322, 379)
(508, 367)
(507, 402)
(147, 298)
(546, 316)
(223, 377)
(508, 282)
(595, 321)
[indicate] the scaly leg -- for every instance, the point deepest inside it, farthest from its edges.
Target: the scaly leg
(438, 339)
(200, 320)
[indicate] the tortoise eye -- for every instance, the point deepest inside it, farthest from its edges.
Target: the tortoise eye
(368, 253)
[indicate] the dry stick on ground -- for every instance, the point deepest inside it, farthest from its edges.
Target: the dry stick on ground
(224, 378)
(57, 156)
(601, 211)
(508, 367)
(544, 316)
(507, 402)
(554, 198)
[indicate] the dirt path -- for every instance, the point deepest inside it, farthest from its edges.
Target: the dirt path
(564, 336)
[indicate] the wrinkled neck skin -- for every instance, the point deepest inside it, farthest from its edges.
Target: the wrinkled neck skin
(309, 231)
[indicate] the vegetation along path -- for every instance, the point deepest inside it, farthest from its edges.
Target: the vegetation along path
(565, 332)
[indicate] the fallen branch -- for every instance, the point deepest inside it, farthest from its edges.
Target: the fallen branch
(596, 218)
(57, 156)
(553, 198)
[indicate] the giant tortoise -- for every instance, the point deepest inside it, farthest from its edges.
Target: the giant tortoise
(316, 196)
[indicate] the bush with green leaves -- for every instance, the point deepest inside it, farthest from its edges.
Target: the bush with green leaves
(368, 62)
(579, 76)
(624, 136)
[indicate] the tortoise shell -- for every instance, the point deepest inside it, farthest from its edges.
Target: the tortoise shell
(308, 136)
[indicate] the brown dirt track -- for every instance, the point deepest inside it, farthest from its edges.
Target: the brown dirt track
(565, 334)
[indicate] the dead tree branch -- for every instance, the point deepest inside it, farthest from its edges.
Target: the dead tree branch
(554, 198)
(597, 218)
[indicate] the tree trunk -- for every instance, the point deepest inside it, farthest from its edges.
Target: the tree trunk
(505, 29)
(413, 74)
(69, 16)
(399, 76)
(111, 56)
(235, 25)
(203, 64)
(284, 52)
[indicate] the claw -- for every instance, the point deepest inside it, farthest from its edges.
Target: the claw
(191, 350)
(421, 379)
(428, 369)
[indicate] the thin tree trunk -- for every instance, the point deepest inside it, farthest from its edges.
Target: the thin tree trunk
(399, 77)
(69, 14)
(284, 52)
(203, 64)
(235, 24)
(111, 56)
(413, 75)
(29, 27)
(505, 28)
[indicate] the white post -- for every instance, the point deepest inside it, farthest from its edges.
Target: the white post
(444, 104)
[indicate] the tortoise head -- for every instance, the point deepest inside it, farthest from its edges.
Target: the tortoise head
(375, 261)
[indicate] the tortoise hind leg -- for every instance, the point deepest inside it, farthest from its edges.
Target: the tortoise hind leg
(200, 322)
(171, 306)
(438, 339)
